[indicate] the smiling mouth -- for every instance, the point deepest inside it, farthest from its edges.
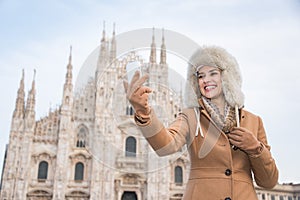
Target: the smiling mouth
(210, 87)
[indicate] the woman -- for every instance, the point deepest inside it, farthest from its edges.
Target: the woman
(226, 143)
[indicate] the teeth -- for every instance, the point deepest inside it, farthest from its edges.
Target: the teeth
(210, 87)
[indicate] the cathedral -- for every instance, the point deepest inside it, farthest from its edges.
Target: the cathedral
(89, 146)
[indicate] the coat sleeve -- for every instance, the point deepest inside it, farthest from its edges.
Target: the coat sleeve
(263, 165)
(165, 141)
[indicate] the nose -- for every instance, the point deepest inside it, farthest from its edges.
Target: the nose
(205, 79)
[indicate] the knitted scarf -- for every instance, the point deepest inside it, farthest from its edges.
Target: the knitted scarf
(225, 121)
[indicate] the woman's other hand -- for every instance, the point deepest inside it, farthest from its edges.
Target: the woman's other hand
(245, 140)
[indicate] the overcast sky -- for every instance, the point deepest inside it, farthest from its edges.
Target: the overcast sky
(263, 35)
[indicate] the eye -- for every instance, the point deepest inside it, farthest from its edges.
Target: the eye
(200, 76)
(214, 73)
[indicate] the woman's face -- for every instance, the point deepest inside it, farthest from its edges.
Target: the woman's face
(210, 83)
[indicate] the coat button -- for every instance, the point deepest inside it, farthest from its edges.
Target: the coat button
(227, 198)
(228, 172)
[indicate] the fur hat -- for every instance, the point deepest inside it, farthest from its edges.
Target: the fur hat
(231, 77)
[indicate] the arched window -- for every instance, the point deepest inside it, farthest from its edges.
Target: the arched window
(129, 110)
(67, 99)
(81, 137)
(272, 197)
(129, 196)
(178, 175)
(43, 170)
(130, 147)
(79, 170)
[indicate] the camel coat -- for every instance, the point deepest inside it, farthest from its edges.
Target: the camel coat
(217, 170)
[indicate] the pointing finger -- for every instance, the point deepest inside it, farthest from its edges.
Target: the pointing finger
(125, 84)
(142, 80)
(134, 79)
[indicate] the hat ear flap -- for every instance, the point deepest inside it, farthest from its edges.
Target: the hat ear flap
(231, 85)
(192, 90)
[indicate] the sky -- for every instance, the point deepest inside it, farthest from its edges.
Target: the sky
(263, 35)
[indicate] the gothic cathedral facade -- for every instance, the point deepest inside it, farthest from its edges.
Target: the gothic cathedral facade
(89, 147)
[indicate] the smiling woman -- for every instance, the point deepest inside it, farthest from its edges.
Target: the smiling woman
(232, 143)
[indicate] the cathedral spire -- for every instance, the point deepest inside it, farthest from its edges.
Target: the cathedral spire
(113, 48)
(69, 70)
(103, 33)
(20, 101)
(30, 104)
(68, 86)
(163, 54)
(102, 58)
(153, 49)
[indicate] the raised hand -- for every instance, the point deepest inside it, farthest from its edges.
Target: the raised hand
(137, 94)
